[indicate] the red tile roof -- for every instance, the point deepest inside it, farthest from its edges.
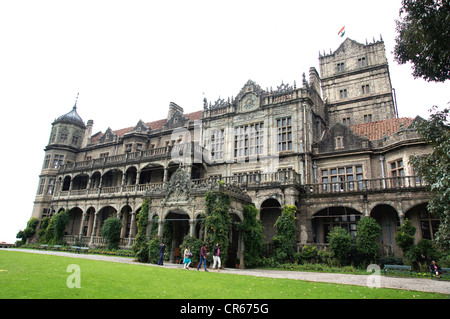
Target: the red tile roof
(378, 130)
(153, 125)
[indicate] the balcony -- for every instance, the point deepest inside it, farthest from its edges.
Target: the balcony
(401, 183)
(135, 157)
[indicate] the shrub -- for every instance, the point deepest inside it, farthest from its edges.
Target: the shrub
(252, 233)
(111, 232)
(140, 246)
(309, 254)
(405, 235)
(340, 244)
(194, 245)
(423, 253)
(217, 222)
(284, 241)
(153, 249)
(367, 244)
(29, 231)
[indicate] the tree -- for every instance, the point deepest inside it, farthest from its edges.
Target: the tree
(55, 231)
(252, 233)
(367, 241)
(340, 242)
(29, 231)
(140, 246)
(284, 240)
(423, 38)
(434, 168)
(111, 231)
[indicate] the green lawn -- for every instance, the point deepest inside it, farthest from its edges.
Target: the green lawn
(24, 275)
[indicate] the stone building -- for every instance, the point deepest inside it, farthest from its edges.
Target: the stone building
(338, 156)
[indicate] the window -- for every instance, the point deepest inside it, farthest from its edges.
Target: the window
(346, 121)
(57, 160)
(103, 155)
(339, 142)
(75, 140)
(340, 67)
(429, 224)
(284, 128)
(249, 140)
(367, 118)
(63, 138)
(47, 161)
(216, 144)
(53, 138)
(362, 62)
(139, 147)
(50, 186)
(365, 89)
(41, 186)
(128, 147)
(397, 168)
(87, 158)
(343, 93)
(342, 178)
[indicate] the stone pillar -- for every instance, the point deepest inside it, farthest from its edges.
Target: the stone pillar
(132, 234)
(83, 218)
(160, 227)
(192, 228)
(94, 227)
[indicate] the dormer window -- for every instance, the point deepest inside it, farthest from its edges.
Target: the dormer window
(362, 62)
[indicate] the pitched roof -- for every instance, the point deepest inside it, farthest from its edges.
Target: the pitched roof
(378, 130)
(153, 125)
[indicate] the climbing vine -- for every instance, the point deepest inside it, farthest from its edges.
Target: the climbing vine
(252, 233)
(218, 222)
(140, 246)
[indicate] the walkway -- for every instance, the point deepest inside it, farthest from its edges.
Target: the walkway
(426, 285)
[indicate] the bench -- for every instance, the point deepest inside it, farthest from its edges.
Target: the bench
(397, 268)
(78, 249)
(444, 272)
(43, 246)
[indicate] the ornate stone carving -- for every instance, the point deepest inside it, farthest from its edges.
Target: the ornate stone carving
(179, 186)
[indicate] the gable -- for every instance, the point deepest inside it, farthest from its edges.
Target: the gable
(341, 138)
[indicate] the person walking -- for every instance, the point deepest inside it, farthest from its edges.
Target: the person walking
(435, 269)
(187, 258)
(203, 254)
(216, 257)
(162, 247)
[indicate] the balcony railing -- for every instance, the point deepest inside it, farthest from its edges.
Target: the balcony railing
(378, 184)
(261, 180)
(140, 156)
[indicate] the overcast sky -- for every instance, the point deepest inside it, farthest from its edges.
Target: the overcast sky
(130, 59)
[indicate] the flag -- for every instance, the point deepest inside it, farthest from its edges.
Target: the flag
(342, 31)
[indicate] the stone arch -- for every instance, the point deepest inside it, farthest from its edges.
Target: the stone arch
(388, 218)
(426, 223)
(126, 218)
(74, 224)
(176, 227)
(80, 181)
(150, 173)
(268, 214)
(103, 214)
(327, 218)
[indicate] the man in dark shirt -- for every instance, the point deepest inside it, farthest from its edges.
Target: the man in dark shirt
(203, 254)
(162, 247)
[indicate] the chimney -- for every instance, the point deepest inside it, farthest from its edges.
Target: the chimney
(174, 108)
(87, 133)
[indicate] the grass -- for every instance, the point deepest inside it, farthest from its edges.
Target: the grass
(31, 276)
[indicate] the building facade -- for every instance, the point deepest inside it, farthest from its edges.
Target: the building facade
(338, 156)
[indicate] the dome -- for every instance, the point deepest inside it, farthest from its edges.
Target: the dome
(71, 118)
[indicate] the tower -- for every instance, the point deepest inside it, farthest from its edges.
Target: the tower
(356, 83)
(66, 138)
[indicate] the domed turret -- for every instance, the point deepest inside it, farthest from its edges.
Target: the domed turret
(71, 118)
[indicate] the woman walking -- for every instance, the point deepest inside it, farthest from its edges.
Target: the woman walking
(216, 257)
(187, 258)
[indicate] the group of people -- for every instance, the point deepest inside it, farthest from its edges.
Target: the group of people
(203, 254)
(187, 256)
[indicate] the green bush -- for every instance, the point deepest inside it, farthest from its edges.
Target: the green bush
(340, 242)
(195, 245)
(29, 231)
(252, 233)
(423, 253)
(140, 246)
(152, 250)
(284, 241)
(405, 235)
(217, 223)
(367, 241)
(111, 232)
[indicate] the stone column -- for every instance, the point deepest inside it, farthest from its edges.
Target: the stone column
(132, 234)
(83, 218)
(93, 229)
(192, 228)
(160, 227)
